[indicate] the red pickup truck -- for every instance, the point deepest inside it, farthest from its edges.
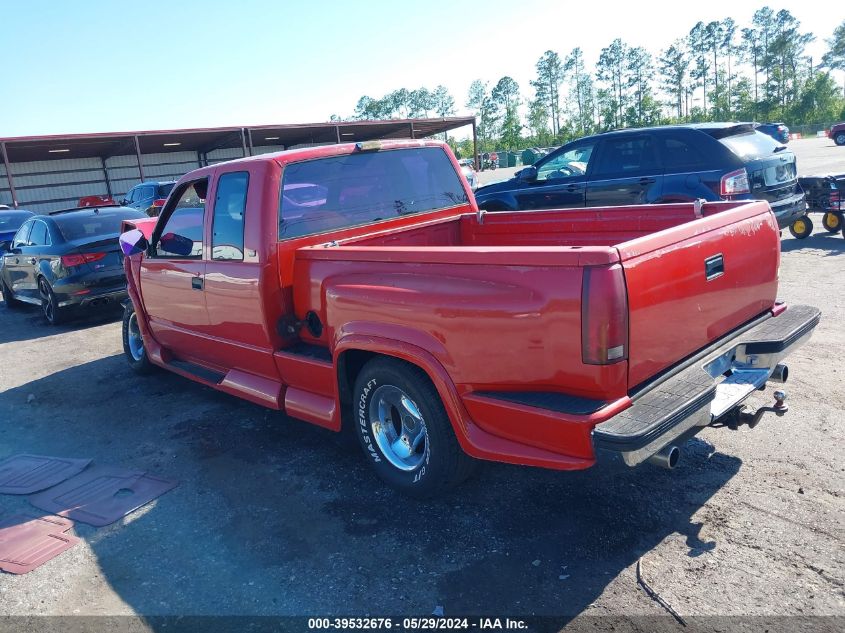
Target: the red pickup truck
(359, 286)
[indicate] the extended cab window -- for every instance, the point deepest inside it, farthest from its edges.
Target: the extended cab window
(181, 235)
(325, 194)
(227, 241)
(572, 162)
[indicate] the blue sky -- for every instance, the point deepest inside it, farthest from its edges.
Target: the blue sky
(92, 66)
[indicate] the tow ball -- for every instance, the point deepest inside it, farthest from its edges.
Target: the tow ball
(742, 415)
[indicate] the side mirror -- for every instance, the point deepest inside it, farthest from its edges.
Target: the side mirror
(528, 174)
(5, 246)
(133, 242)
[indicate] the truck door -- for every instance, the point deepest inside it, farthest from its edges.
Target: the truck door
(173, 272)
(627, 171)
(233, 273)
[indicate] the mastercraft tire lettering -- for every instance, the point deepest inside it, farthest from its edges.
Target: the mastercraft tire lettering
(403, 428)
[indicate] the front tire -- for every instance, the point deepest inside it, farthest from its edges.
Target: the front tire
(801, 228)
(133, 343)
(53, 314)
(839, 139)
(832, 221)
(404, 430)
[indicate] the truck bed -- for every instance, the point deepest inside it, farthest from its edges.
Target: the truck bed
(457, 283)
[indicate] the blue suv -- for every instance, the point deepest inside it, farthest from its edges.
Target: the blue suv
(680, 163)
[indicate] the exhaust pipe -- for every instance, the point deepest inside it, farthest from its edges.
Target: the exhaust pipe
(780, 373)
(667, 457)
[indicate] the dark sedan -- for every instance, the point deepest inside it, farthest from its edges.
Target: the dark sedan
(66, 260)
(681, 163)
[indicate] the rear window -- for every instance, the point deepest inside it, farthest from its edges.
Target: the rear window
(355, 189)
(164, 190)
(750, 145)
(79, 225)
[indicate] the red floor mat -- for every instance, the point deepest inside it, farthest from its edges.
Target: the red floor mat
(101, 495)
(25, 474)
(27, 542)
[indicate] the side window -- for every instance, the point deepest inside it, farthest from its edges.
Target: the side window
(572, 162)
(146, 193)
(130, 195)
(39, 235)
(626, 156)
(227, 239)
(22, 236)
(181, 235)
(681, 155)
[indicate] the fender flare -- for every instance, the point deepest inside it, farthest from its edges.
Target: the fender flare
(415, 355)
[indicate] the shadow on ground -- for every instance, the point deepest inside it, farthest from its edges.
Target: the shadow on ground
(832, 243)
(31, 324)
(274, 516)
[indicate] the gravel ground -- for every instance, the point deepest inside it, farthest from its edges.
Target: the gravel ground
(274, 516)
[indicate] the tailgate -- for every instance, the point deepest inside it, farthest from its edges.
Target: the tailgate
(690, 284)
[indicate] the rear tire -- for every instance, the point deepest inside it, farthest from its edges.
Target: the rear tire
(801, 228)
(404, 430)
(8, 298)
(839, 139)
(832, 221)
(133, 343)
(53, 314)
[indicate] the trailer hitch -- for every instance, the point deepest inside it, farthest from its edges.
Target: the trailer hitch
(742, 415)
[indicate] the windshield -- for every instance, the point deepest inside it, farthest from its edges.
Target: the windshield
(355, 189)
(81, 225)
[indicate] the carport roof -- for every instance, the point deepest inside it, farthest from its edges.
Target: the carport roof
(36, 148)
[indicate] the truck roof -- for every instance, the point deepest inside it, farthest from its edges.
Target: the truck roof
(339, 149)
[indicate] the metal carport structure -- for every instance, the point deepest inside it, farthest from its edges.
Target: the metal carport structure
(45, 173)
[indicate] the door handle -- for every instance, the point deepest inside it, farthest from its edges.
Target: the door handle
(197, 283)
(32, 260)
(647, 181)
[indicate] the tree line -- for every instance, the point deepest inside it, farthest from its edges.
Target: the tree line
(718, 71)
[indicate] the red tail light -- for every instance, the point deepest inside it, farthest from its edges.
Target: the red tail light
(69, 261)
(160, 202)
(735, 182)
(604, 315)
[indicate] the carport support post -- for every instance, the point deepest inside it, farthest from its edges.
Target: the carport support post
(337, 133)
(411, 127)
(9, 176)
(475, 146)
(243, 141)
(138, 156)
(249, 141)
(106, 176)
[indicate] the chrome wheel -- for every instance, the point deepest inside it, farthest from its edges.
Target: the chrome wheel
(46, 301)
(133, 338)
(398, 428)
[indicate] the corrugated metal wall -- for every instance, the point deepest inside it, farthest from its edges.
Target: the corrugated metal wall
(44, 186)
